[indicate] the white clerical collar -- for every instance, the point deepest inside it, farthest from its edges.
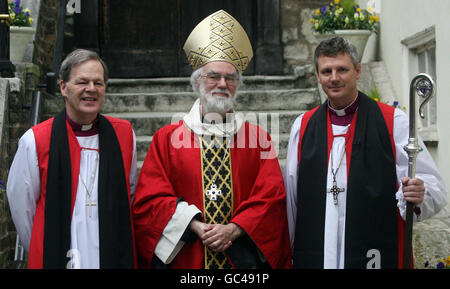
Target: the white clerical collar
(83, 129)
(346, 110)
(86, 127)
(193, 120)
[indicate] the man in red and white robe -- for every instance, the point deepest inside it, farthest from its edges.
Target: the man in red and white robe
(71, 183)
(210, 193)
(346, 174)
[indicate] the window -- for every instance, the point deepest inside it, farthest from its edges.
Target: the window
(427, 63)
(422, 59)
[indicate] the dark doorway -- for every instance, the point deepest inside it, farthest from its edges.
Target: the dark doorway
(140, 39)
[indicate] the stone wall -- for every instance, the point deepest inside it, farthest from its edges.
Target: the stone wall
(45, 37)
(15, 98)
(5, 228)
(296, 33)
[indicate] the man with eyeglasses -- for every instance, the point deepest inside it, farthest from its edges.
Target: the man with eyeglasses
(211, 192)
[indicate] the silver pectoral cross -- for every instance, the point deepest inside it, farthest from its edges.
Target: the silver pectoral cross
(213, 192)
(90, 204)
(335, 190)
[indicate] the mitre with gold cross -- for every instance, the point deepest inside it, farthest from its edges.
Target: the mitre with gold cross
(219, 37)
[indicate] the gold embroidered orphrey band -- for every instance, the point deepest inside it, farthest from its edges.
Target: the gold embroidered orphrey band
(216, 166)
(219, 37)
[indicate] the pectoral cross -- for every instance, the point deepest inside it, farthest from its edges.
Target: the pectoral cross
(213, 192)
(335, 190)
(90, 204)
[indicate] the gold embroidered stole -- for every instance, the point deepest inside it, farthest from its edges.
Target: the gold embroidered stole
(217, 193)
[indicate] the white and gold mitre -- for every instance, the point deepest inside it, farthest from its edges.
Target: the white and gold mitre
(219, 37)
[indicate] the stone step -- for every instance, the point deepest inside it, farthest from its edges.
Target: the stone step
(182, 101)
(147, 123)
(280, 142)
(182, 84)
(301, 99)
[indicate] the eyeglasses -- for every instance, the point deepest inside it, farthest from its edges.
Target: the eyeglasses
(214, 78)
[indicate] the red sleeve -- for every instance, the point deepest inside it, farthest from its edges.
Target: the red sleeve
(155, 200)
(258, 182)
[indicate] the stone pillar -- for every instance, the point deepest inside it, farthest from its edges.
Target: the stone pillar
(33, 5)
(45, 36)
(297, 39)
(15, 96)
(7, 231)
(269, 52)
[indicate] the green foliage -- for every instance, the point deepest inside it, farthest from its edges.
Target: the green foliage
(374, 94)
(344, 14)
(19, 15)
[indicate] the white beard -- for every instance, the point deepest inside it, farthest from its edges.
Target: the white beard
(216, 104)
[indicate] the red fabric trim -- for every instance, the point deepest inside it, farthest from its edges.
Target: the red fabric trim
(90, 149)
(388, 114)
(305, 119)
(42, 134)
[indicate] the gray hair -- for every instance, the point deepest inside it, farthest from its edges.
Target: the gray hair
(195, 76)
(334, 46)
(76, 57)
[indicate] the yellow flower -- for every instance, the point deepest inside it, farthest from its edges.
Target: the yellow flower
(30, 20)
(317, 11)
(376, 99)
(358, 9)
(377, 19)
(336, 2)
(331, 4)
(12, 16)
(447, 261)
(369, 8)
(311, 20)
(316, 25)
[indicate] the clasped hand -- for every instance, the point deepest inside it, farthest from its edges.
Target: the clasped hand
(216, 237)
